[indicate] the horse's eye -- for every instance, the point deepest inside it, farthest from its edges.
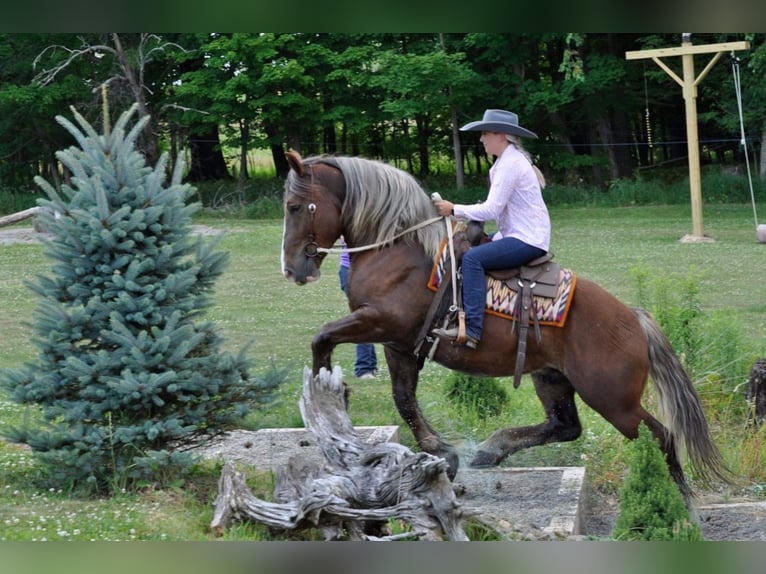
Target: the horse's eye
(295, 208)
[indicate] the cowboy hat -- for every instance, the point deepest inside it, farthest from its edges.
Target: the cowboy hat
(499, 121)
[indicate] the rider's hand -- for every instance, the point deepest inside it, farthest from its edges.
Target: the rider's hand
(444, 207)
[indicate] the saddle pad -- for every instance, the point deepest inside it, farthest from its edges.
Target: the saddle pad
(501, 300)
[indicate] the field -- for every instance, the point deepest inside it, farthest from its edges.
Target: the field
(255, 304)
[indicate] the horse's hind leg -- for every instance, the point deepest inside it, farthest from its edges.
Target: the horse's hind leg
(561, 424)
(627, 423)
(404, 371)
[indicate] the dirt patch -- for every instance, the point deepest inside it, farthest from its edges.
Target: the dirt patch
(14, 235)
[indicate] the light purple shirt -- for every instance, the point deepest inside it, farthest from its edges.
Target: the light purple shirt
(515, 202)
(345, 258)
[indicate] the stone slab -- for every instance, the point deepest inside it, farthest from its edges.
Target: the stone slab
(525, 503)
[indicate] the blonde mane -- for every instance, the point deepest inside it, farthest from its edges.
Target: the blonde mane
(382, 201)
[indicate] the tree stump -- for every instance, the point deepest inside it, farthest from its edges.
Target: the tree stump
(756, 393)
(356, 491)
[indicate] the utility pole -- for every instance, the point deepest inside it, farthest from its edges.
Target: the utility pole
(689, 85)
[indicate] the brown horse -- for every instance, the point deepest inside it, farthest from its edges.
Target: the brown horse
(604, 352)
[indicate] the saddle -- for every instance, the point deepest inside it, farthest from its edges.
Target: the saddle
(538, 278)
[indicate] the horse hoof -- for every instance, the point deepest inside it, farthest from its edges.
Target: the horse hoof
(484, 459)
(453, 463)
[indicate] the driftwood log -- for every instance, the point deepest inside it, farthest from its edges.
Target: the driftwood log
(358, 489)
(18, 216)
(756, 393)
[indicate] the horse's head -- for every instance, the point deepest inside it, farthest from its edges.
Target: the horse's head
(312, 206)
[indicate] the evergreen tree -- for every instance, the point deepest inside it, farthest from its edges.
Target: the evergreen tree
(128, 373)
(651, 506)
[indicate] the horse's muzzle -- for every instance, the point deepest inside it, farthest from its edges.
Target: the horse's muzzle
(306, 272)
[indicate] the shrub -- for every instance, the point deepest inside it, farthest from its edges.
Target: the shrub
(651, 505)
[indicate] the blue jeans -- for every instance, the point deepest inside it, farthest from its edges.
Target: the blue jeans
(366, 359)
(505, 253)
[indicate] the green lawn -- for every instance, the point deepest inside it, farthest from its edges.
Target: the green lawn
(256, 305)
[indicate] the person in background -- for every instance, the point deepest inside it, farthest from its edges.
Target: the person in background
(515, 202)
(366, 364)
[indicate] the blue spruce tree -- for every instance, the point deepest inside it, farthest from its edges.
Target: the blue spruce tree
(129, 374)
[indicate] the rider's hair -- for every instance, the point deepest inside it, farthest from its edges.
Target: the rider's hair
(515, 141)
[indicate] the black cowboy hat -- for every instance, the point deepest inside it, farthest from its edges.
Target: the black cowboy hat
(499, 121)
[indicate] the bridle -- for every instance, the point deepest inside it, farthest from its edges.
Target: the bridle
(311, 249)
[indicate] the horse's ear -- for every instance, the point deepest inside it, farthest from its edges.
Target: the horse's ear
(295, 162)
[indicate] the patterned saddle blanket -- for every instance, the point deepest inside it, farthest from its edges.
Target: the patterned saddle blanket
(502, 299)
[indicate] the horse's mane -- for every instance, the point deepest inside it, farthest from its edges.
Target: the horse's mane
(382, 201)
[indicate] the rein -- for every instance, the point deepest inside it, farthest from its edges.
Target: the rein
(453, 270)
(337, 250)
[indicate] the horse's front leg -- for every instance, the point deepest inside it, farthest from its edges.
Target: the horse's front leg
(404, 371)
(321, 350)
(358, 327)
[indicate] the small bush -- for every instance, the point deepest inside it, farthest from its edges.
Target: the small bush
(651, 506)
(482, 395)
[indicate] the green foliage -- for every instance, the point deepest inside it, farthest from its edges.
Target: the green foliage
(128, 372)
(651, 506)
(257, 199)
(12, 201)
(711, 345)
(481, 395)
(353, 93)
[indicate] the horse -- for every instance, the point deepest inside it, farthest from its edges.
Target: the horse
(604, 353)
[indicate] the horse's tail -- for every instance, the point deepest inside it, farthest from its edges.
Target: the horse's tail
(680, 406)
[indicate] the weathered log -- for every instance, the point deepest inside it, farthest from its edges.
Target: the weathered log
(356, 491)
(18, 216)
(756, 393)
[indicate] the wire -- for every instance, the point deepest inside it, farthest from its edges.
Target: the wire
(743, 140)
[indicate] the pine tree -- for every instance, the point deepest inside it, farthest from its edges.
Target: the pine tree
(651, 505)
(129, 373)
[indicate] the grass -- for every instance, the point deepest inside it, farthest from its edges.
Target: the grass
(254, 304)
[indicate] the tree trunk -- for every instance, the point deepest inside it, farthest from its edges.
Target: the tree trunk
(137, 88)
(604, 131)
(756, 393)
(329, 140)
(458, 151)
(424, 129)
(359, 489)
(244, 131)
(207, 163)
(762, 168)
